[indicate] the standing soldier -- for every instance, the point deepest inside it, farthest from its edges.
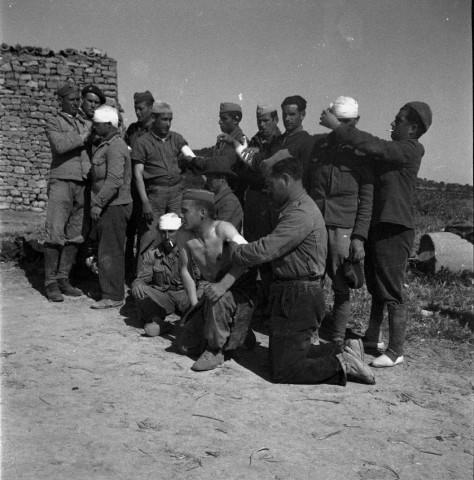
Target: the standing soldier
(68, 134)
(157, 170)
(143, 103)
(392, 230)
(341, 183)
(111, 205)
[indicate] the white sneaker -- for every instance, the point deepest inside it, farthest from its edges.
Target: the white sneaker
(384, 361)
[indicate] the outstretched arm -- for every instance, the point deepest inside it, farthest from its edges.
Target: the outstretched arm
(227, 233)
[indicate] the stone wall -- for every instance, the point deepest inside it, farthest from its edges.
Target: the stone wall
(29, 78)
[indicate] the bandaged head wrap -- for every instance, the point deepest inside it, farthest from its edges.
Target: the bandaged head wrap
(169, 221)
(345, 107)
(106, 114)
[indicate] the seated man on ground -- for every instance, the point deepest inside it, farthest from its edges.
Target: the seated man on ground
(220, 320)
(158, 289)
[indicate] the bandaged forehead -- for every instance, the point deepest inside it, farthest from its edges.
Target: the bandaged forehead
(345, 107)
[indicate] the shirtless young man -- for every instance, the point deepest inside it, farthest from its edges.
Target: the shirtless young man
(221, 319)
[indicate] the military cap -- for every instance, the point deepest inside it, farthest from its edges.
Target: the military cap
(219, 165)
(265, 109)
(198, 194)
(267, 164)
(66, 89)
(424, 112)
(95, 90)
(146, 96)
(161, 107)
(228, 107)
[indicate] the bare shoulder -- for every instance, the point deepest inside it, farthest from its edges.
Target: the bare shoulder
(227, 232)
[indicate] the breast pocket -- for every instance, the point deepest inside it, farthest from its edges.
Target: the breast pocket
(347, 180)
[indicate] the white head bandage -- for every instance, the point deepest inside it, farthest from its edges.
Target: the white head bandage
(344, 107)
(169, 221)
(106, 114)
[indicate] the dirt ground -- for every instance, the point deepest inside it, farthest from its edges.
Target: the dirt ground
(86, 396)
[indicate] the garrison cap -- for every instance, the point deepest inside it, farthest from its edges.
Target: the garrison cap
(161, 107)
(199, 195)
(146, 96)
(265, 109)
(228, 107)
(95, 90)
(424, 112)
(67, 88)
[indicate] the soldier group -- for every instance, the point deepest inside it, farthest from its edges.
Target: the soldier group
(273, 217)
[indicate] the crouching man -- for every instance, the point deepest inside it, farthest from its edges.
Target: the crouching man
(297, 250)
(220, 320)
(158, 289)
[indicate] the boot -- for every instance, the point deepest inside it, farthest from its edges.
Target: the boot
(51, 261)
(53, 293)
(68, 255)
(67, 289)
(397, 323)
(341, 314)
(373, 335)
(354, 367)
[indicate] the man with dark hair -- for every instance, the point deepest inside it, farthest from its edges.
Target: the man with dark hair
(92, 98)
(68, 135)
(157, 166)
(143, 102)
(392, 230)
(227, 205)
(221, 319)
(297, 251)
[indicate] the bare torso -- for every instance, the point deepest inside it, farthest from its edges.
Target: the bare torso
(210, 252)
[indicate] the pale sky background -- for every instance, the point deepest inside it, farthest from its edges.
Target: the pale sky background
(195, 54)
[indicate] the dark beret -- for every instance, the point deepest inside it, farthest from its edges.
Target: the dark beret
(95, 90)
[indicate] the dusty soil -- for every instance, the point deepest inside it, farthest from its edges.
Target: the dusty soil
(86, 396)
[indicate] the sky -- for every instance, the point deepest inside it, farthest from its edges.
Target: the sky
(195, 54)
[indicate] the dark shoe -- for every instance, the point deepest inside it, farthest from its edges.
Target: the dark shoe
(53, 293)
(357, 346)
(355, 367)
(250, 340)
(67, 289)
(106, 303)
(208, 361)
